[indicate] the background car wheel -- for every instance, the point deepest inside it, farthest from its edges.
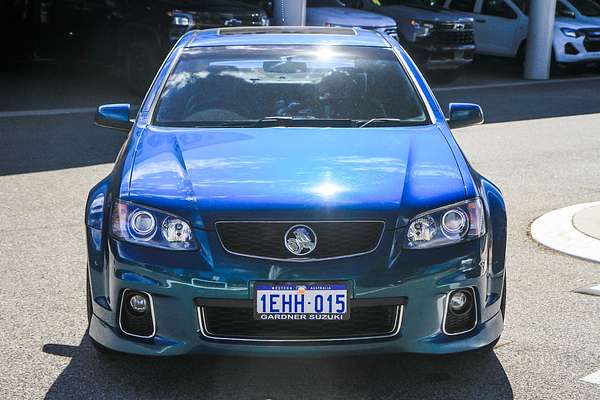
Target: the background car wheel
(141, 65)
(560, 69)
(444, 76)
(99, 348)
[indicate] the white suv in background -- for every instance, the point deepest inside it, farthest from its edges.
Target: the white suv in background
(501, 30)
(341, 13)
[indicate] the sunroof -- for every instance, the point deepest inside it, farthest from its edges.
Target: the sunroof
(283, 30)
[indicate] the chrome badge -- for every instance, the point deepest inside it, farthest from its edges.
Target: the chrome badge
(300, 240)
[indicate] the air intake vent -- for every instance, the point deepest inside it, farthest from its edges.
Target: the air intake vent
(283, 30)
(235, 321)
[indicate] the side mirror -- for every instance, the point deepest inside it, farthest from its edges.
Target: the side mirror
(464, 114)
(114, 116)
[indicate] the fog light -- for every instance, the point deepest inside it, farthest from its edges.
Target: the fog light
(460, 302)
(138, 303)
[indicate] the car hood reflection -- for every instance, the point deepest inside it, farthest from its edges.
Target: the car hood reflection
(206, 175)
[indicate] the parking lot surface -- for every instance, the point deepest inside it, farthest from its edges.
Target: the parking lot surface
(540, 145)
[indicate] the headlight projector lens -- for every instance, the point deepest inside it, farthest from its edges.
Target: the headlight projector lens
(454, 223)
(142, 223)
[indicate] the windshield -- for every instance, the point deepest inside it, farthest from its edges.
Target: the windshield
(412, 3)
(288, 85)
(586, 7)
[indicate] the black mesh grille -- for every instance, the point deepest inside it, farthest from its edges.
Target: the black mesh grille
(452, 36)
(591, 46)
(266, 239)
(230, 322)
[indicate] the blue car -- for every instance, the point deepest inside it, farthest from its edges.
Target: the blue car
(293, 191)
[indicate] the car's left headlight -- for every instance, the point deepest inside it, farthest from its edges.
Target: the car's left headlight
(179, 18)
(149, 227)
(445, 226)
(422, 28)
(572, 33)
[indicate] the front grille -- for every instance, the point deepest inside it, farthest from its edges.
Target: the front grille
(452, 37)
(238, 323)
(591, 46)
(266, 239)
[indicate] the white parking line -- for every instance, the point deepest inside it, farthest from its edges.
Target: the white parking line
(592, 378)
(515, 84)
(52, 111)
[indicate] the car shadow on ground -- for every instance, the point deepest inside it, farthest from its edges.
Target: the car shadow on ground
(33, 144)
(91, 375)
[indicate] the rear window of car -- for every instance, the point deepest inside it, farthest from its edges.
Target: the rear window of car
(317, 85)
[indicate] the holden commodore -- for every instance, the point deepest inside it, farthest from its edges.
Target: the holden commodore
(293, 191)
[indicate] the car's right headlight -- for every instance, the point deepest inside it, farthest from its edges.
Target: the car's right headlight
(150, 227)
(447, 225)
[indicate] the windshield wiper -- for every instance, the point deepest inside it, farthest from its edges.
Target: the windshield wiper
(394, 121)
(302, 121)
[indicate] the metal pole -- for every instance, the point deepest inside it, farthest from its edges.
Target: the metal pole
(289, 12)
(539, 40)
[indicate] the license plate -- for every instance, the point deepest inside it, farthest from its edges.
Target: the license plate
(301, 301)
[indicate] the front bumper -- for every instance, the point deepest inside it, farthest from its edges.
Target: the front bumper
(438, 57)
(423, 279)
(576, 50)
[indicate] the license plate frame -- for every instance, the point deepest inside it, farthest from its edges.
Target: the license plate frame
(310, 286)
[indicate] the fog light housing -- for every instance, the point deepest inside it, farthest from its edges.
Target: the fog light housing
(461, 312)
(137, 314)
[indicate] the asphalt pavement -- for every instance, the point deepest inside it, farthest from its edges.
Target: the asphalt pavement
(541, 145)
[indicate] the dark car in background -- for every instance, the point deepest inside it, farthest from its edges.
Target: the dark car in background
(441, 41)
(131, 35)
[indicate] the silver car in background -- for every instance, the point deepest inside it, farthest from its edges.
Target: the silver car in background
(340, 13)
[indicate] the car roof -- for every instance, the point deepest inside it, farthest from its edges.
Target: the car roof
(287, 35)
